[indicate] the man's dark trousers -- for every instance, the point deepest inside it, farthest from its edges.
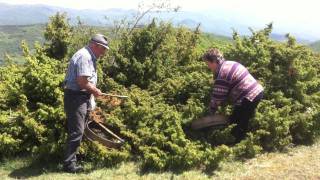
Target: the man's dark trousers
(76, 107)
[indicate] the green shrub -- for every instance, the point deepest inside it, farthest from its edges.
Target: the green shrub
(159, 68)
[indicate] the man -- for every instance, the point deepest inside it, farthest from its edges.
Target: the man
(233, 80)
(80, 85)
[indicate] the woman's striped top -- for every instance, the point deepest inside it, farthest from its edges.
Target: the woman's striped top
(233, 80)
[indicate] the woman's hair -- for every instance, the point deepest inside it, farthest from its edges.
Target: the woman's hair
(213, 55)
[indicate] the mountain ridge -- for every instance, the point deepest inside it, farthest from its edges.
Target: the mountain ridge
(219, 23)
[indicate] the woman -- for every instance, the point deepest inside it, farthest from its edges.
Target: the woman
(233, 80)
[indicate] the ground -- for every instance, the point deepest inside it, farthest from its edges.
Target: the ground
(301, 162)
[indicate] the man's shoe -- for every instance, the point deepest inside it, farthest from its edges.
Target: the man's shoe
(73, 168)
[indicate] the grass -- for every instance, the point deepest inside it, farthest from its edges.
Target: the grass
(298, 163)
(301, 162)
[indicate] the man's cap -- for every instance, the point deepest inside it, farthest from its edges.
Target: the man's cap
(101, 40)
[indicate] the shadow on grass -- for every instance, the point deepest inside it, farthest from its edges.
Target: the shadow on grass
(176, 171)
(35, 167)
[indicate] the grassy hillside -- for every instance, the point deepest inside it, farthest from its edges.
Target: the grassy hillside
(212, 40)
(11, 37)
(316, 46)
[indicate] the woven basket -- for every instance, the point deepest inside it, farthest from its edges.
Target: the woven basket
(210, 121)
(95, 131)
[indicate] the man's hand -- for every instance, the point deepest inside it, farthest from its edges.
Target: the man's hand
(97, 93)
(85, 84)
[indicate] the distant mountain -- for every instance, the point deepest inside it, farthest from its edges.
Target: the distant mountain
(282, 38)
(216, 22)
(39, 14)
(315, 46)
(25, 14)
(35, 14)
(189, 23)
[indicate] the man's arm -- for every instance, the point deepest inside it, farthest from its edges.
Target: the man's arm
(85, 84)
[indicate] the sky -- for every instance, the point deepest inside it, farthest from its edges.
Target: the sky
(272, 8)
(291, 14)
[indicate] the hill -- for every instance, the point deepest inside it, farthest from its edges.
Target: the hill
(158, 67)
(34, 14)
(315, 46)
(39, 14)
(216, 22)
(12, 35)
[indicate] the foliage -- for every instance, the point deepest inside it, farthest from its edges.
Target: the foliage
(57, 35)
(32, 118)
(159, 67)
(289, 73)
(151, 54)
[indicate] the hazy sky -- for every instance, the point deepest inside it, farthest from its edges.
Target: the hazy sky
(272, 8)
(293, 14)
